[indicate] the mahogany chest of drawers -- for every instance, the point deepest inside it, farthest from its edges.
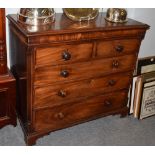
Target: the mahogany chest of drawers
(7, 81)
(71, 72)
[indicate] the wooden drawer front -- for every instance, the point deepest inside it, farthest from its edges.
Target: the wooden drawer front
(3, 102)
(59, 94)
(90, 69)
(63, 116)
(63, 54)
(117, 47)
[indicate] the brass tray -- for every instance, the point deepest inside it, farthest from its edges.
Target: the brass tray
(81, 14)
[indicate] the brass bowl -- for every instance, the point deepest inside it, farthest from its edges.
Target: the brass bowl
(81, 14)
(36, 16)
(116, 15)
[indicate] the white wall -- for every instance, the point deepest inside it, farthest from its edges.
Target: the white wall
(143, 15)
(148, 44)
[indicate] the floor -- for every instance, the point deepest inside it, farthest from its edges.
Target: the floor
(107, 131)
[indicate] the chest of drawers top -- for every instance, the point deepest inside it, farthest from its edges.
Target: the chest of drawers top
(64, 30)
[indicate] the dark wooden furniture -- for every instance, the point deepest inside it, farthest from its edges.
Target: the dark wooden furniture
(7, 81)
(71, 72)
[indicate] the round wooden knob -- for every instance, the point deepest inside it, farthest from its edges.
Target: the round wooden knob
(62, 93)
(112, 82)
(59, 115)
(66, 55)
(119, 48)
(64, 73)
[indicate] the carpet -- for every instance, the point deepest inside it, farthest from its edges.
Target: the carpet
(106, 131)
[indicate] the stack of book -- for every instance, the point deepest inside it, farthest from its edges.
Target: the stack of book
(142, 94)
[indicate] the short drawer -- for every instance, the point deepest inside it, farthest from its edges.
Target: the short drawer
(117, 47)
(85, 70)
(63, 54)
(66, 115)
(60, 94)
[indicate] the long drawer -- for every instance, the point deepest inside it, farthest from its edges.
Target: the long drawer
(54, 95)
(85, 70)
(117, 47)
(66, 115)
(63, 54)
